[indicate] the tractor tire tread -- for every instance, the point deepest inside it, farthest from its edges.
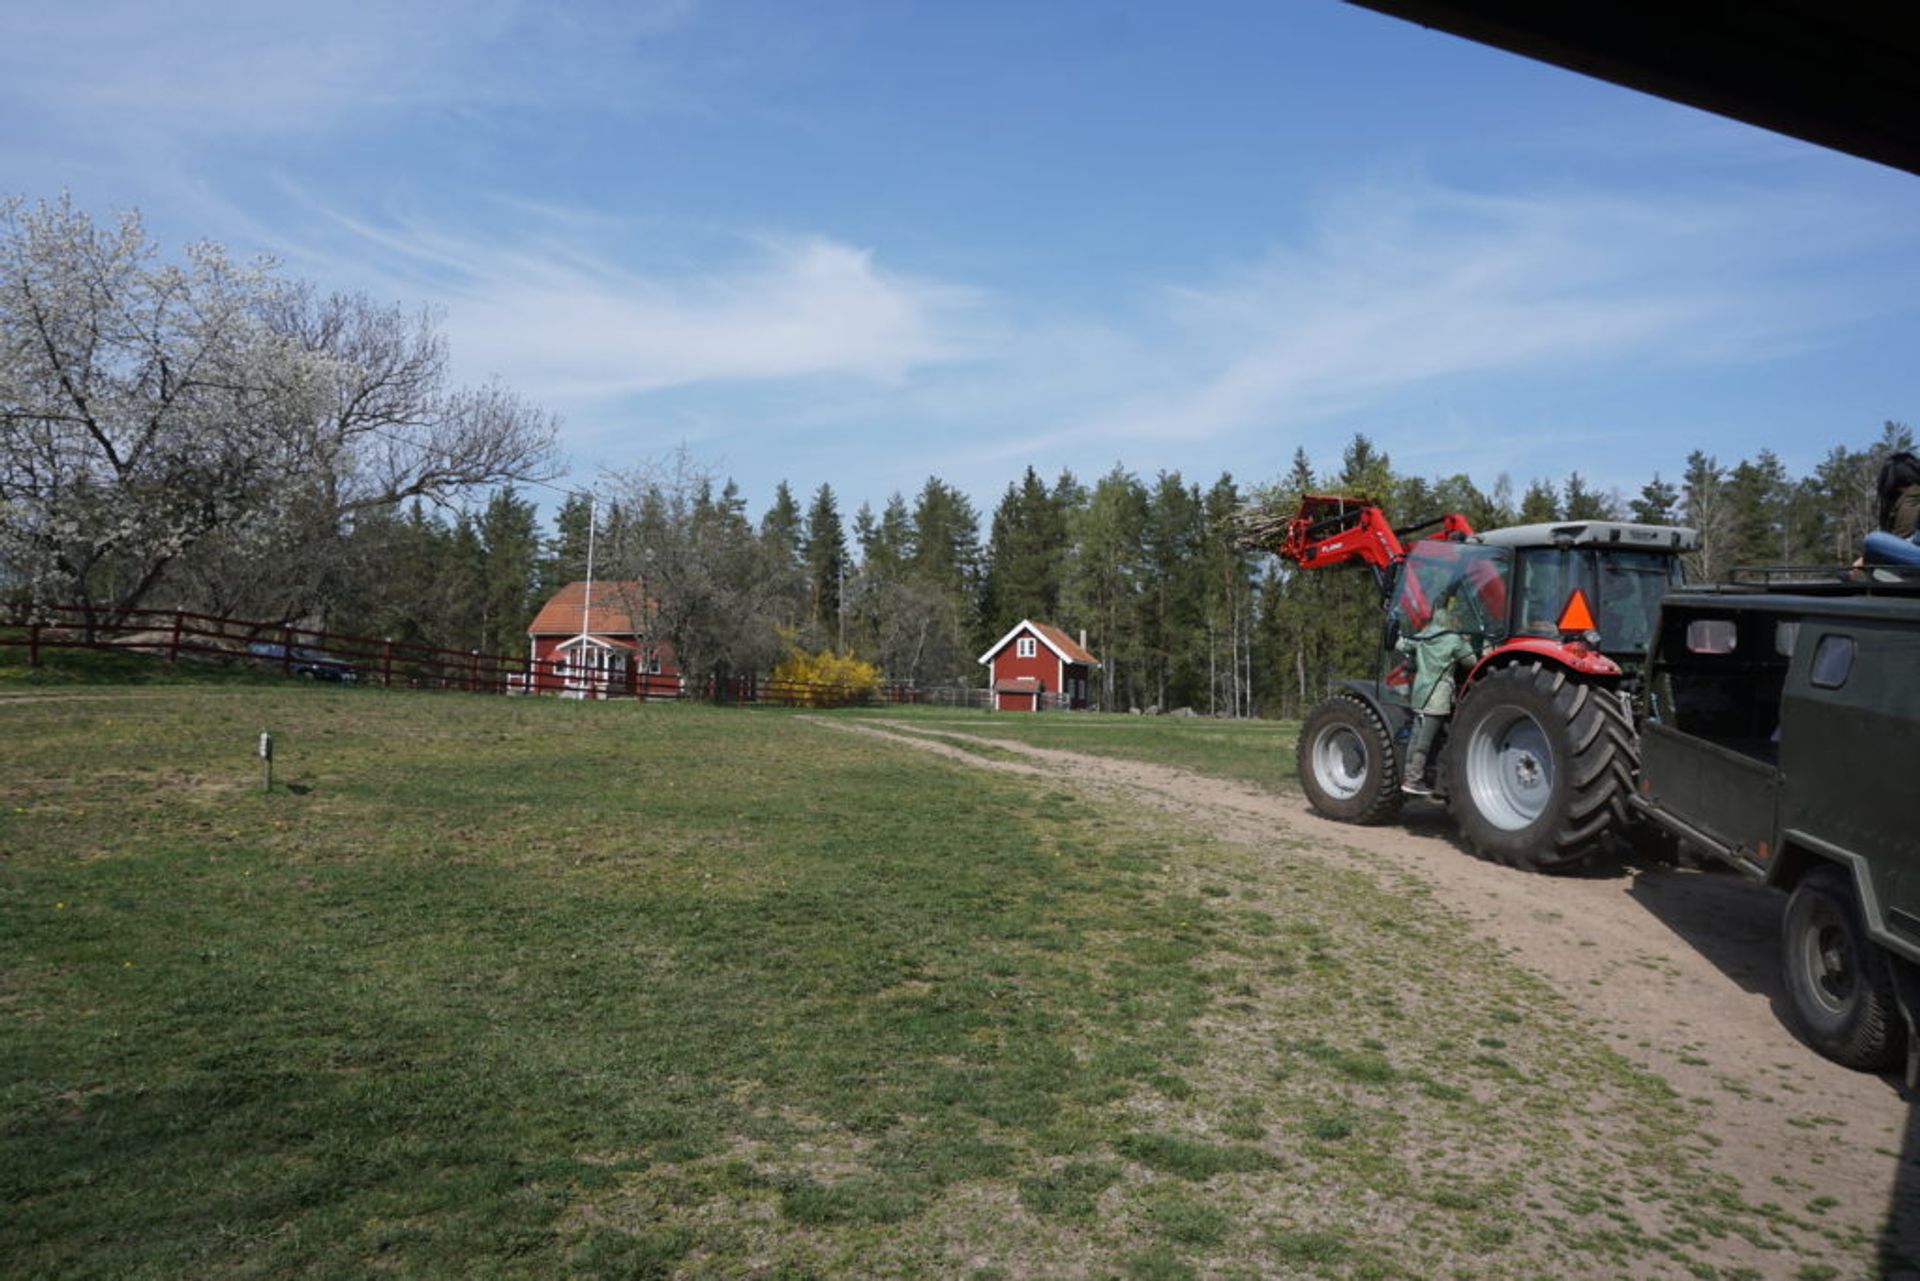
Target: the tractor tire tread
(1592, 784)
(1381, 798)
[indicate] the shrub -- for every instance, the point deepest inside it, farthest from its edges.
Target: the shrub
(826, 678)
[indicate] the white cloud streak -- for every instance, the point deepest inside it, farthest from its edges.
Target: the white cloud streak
(570, 323)
(121, 69)
(1395, 289)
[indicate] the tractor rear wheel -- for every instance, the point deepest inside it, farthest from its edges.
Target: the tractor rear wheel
(1540, 764)
(1347, 764)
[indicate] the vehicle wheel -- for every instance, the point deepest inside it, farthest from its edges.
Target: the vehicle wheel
(1838, 981)
(1540, 765)
(1347, 764)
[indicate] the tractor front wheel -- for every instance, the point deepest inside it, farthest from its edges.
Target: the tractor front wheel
(1540, 763)
(1347, 764)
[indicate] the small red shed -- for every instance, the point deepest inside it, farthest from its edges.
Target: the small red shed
(600, 648)
(1037, 666)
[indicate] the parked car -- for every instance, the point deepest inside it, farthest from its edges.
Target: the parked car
(313, 664)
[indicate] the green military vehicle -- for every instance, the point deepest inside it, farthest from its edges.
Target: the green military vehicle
(1781, 736)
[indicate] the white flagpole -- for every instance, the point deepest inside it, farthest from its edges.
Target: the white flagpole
(586, 603)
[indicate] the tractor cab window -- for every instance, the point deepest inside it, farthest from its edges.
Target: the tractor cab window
(1574, 589)
(1464, 583)
(1631, 585)
(1549, 577)
(1471, 576)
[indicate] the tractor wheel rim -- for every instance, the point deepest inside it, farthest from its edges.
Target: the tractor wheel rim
(1510, 769)
(1340, 762)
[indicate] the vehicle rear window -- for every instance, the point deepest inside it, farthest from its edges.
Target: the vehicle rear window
(1832, 662)
(1712, 636)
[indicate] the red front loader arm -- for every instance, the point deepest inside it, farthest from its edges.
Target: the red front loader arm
(1331, 530)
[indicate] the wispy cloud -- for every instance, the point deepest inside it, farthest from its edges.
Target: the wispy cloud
(570, 322)
(123, 70)
(1391, 289)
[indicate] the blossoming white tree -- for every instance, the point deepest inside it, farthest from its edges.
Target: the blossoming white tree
(150, 408)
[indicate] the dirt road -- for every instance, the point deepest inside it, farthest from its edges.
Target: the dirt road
(1679, 969)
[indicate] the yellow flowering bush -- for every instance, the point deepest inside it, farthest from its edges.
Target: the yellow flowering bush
(830, 677)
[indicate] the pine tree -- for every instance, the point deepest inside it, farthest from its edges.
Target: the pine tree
(1585, 504)
(1539, 504)
(781, 526)
(565, 557)
(946, 549)
(1658, 503)
(510, 546)
(1104, 580)
(1758, 532)
(1026, 557)
(1228, 607)
(824, 548)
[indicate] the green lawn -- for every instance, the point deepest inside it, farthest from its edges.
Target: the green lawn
(490, 986)
(1254, 751)
(60, 668)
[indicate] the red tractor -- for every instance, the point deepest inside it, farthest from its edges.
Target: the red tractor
(1537, 762)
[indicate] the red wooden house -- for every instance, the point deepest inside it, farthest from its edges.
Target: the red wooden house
(600, 649)
(1037, 666)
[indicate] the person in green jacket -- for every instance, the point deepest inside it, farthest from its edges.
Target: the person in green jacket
(1438, 650)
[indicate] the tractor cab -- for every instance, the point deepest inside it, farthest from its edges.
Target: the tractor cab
(1578, 592)
(1598, 580)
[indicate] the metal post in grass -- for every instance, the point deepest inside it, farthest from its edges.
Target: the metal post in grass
(266, 761)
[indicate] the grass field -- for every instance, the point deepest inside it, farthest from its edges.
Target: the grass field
(500, 987)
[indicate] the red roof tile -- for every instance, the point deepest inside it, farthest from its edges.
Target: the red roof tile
(611, 614)
(1065, 644)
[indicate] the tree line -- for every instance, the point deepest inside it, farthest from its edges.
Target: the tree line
(213, 436)
(1153, 571)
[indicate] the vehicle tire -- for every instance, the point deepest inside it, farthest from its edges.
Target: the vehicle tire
(1347, 764)
(1839, 982)
(1540, 764)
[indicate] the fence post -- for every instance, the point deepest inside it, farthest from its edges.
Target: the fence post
(473, 670)
(286, 650)
(33, 644)
(173, 646)
(386, 662)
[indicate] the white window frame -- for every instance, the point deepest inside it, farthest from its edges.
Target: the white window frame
(1026, 647)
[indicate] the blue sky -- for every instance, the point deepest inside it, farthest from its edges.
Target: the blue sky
(865, 243)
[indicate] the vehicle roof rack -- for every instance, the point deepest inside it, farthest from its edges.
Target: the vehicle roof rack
(1824, 580)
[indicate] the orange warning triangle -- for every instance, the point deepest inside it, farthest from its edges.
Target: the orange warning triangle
(1576, 617)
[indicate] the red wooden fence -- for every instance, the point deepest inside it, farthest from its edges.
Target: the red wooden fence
(293, 651)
